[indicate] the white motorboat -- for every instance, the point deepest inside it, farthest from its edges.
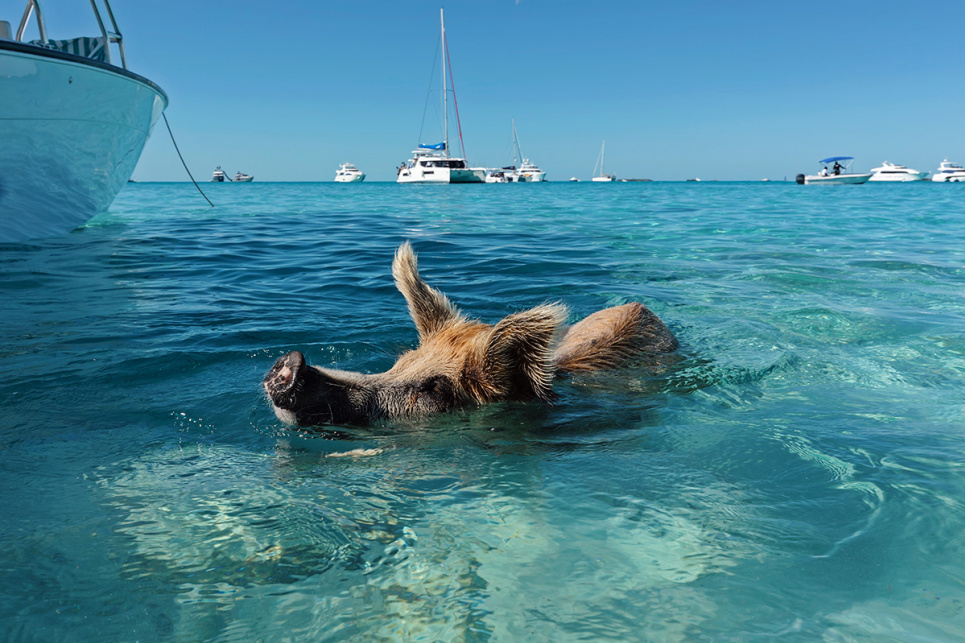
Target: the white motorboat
(525, 172)
(431, 163)
(348, 173)
(949, 172)
(896, 173)
(838, 174)
(73, 124)
(218, 176)
(241, 177)
(499, 175)
(602, 177)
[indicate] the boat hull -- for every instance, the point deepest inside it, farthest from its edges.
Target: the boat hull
(903, 177)
(72, 132)
(419, 174)
(837, 179)
(350, 178)
(532, 177)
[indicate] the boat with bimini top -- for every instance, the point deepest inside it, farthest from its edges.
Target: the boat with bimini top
(431, 163)
(73, 123)
(839, 174)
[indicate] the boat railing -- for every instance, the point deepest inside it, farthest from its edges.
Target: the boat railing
(110, 36)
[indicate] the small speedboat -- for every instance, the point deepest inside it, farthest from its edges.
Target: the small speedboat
(949, 172)
(348, 173)
(839, 174)
(891, 172)
(73, 123)
(498, 176)
(241, 177)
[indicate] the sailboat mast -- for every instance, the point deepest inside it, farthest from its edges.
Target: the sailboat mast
(602, 157)
(516, 152)
(445, 86)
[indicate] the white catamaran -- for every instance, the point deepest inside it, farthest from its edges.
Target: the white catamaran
(432, 163)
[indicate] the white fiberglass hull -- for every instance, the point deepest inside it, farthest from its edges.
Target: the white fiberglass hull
(349, 178)
(837, 179)
(71, 134)
(420, 174)
(531, 177)
(893, 177)
(957, 177)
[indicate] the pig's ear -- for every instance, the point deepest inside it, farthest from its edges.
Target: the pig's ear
(430, 309)
(517, 362)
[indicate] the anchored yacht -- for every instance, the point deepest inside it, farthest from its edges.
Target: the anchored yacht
(348, 173)
(949, 172)
(898, 173)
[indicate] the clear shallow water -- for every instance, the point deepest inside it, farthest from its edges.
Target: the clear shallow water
(799, 473)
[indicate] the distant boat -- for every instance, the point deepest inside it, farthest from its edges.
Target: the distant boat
(431, 163)
(348, 173)
(499, 175)
(891, 172)
(73, 124)
(838, 175)
(602, 177)
(573, 179)
(526, 172)
(949, 172)
(218, 176)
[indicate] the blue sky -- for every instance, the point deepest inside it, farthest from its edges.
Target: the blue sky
(718, 90)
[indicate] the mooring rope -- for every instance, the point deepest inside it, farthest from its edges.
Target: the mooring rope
(182, 160)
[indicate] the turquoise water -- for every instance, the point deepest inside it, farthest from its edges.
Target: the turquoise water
(798, 474)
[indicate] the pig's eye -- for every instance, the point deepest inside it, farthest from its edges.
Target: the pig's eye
(434, 394)
(433, 386)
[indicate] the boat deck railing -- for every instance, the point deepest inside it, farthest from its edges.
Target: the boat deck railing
(110, 36)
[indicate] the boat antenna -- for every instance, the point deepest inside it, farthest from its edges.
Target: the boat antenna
(182, 160)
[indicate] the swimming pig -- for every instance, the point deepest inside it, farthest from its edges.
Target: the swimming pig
(462, 362)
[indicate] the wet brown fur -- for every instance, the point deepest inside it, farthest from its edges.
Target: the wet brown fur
(460, 362)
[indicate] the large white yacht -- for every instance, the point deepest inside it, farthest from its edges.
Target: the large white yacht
(348, 173)
(73, 123)
(897, 173)
(431, 163)
(529, 173)
(949, 172)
